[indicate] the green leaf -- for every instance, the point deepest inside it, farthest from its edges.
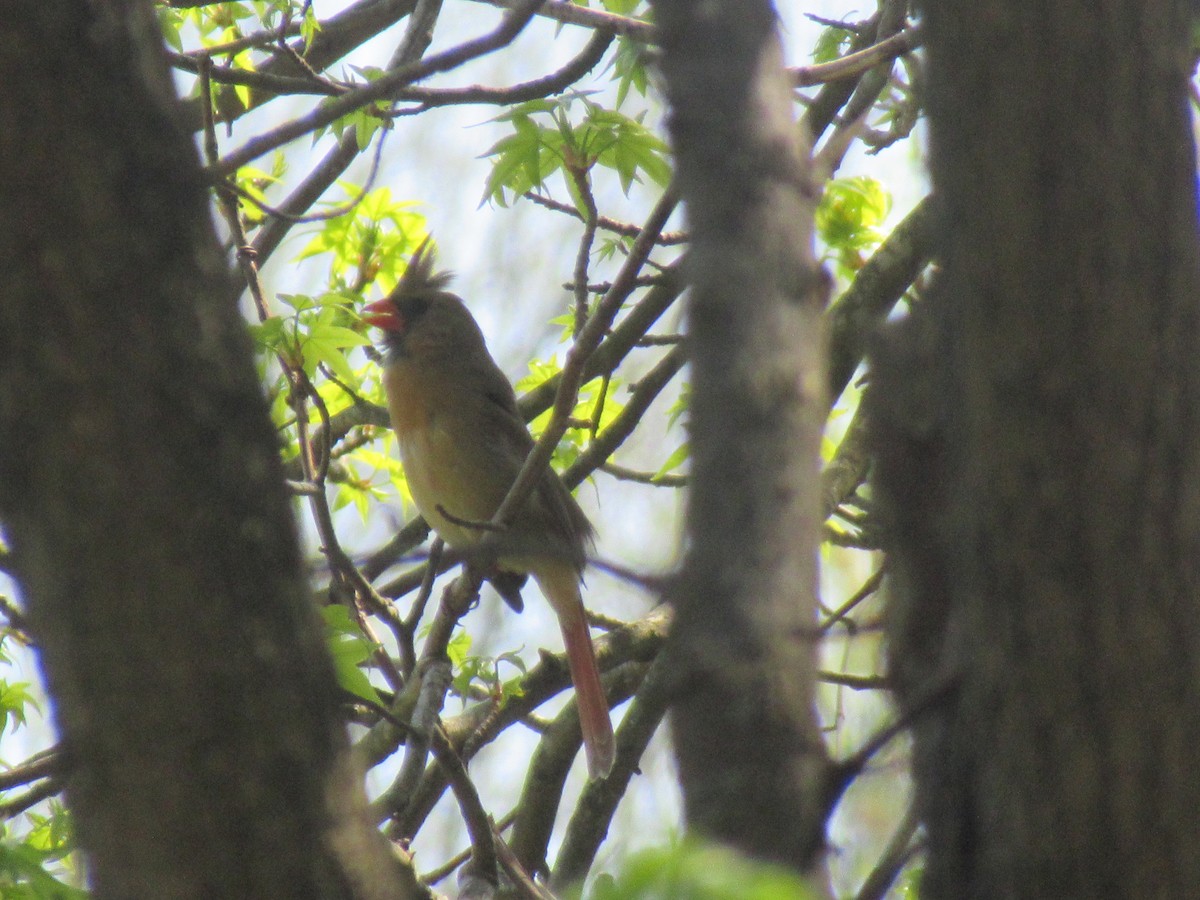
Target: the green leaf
(349, 650)
(458, 648)
(243, 61)
(549, 136)
(681, 455)
(371, 243)
(680, 406)
(629, 69)
(831, 43)
(325, 342)
(515, 156)
(171, 22)
(467, 668)
(298, 302)
(309, 27)
(366, 123)
(268, 336)
(849, 216)
(369, 73)
(15, 696)
(514, 659)
(29, 866)
(691, 870)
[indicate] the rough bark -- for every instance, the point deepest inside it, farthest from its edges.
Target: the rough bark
(141, 490)
(1039, 457)
(751, 759)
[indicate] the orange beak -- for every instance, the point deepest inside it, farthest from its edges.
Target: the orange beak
(383, 315)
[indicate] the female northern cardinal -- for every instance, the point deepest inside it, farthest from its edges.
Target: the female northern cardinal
(462, 443)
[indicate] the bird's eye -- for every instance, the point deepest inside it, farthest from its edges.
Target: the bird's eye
(413, 307)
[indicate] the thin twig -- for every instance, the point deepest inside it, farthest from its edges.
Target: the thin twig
(417, 36)
(855, 682)
(250, 41)
(601, 287)
(648, 388)
(651, 478)
(530, 889)
(640, 641)
(436, 550)
(554, 83)
(845, 771)
(870, 586)
(570, 14)
(625, 229)
(900, 850)
(32, 797)
(852, 27)
(301, 391)
(40, 765)
(382, 89)
(280, 85)
(338, 211)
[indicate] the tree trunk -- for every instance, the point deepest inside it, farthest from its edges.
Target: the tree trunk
(141, 490)
(1039, 457)
(751, 759)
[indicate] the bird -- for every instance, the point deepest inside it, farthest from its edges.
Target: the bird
(462, 442)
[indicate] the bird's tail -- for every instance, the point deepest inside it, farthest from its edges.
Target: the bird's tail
(594, 718)
(562, 590)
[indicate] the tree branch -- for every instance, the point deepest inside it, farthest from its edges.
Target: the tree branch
(854, 64)
(570, 14)
(382, 89)
(877, 287)
(597, 804)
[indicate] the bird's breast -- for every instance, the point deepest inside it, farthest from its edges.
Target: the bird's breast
(443, 455)
(412, 397)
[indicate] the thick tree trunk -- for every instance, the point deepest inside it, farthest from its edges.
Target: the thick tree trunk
(141, 490)
(1039, 457)
(751, 759)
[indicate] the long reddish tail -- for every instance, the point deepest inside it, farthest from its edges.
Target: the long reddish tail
(589, 696)
(594, 720)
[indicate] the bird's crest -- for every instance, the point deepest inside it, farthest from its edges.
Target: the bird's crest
(419, 277)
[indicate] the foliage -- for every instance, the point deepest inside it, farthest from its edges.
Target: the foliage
(350, 651)
(691, 870)
(33, 865)
(849, 218)
(538, 148)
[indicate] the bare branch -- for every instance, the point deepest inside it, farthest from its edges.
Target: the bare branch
(479, 824)
(626, 229)
(638, 641)
(594, 811)
(41, 765)
(382, 89)
(570, 14)
(854, 64)
(899, 851)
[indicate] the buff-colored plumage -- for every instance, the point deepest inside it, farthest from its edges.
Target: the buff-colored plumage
(462, 442)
